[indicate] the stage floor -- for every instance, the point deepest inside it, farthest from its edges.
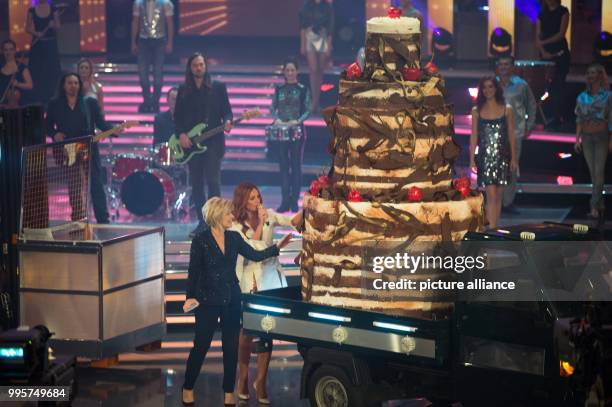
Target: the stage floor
(155, 379)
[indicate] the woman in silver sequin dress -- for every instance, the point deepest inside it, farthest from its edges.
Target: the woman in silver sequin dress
(492, 123)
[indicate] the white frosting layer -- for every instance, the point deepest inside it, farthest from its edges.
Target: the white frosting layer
(387, 25)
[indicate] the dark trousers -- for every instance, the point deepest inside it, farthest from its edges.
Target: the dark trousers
(98, 196)
(151, 52)
(557, 85)
(205, 166)
(77, 183)
(290, 162)
(206, 322)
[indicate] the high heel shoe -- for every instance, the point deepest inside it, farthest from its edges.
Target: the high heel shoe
(265, 401)
(245, 396)
(186, 403)
(228, 404)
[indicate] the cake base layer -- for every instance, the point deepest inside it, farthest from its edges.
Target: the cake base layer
(338, 233)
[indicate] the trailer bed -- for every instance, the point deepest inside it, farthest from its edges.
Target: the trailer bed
(281, 314)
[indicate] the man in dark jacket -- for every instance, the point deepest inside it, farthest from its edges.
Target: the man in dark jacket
(200, 100)
(71, 115)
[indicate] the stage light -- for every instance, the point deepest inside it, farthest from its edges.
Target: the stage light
(442, 47)
(565, 180)
(544, 96)
(500, 43)
(473, 92)
(564, 156)
(326, 87)
(602, 49)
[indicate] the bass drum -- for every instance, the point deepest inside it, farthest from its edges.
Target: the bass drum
(145, 192)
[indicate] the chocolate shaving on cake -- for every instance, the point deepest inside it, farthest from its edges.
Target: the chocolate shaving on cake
(446, 228)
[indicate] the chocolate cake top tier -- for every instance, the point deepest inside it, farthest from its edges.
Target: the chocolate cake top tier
(388, 25)
(392, 44)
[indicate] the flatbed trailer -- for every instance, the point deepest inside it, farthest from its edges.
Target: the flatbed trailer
(482, 354)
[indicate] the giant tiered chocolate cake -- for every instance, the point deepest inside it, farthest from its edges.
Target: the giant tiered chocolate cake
(391, 177)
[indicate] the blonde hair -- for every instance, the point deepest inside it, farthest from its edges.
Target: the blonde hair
(603, 77)
(214, 209)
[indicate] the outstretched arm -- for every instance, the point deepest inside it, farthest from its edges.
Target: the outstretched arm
(251, 254)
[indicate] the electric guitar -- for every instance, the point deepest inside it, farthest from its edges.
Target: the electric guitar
(72, 150)
(199, 134)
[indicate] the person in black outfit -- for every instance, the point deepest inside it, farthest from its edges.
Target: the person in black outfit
(163, 125)
(212, 286)
(15, 77)
(202, 100)
(42, 23)
(290, 107)
(71, 115)
(551, 43)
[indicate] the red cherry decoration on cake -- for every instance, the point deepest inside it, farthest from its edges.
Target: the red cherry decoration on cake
(354, 196)
(411, 74)
(462, 185)
(324, 181)
(464, 191)
(463, 182)
(415, 194)
(394, 12)
(315, 187)
(431, 68)
(353, 71)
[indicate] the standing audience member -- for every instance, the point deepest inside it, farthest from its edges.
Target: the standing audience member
(493, 132)
(212, 288)
(518, 95)
(593, 132)
(551, 43)
(15, 77)
(42, 23)
(152, 37)
(317, 22)
(91, 87)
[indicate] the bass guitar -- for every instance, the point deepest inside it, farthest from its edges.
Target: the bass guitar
(74, 150)
(198, 134)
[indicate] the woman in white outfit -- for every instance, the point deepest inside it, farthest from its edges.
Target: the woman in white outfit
(257, 225)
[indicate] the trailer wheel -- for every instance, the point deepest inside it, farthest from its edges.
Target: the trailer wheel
(329, 386)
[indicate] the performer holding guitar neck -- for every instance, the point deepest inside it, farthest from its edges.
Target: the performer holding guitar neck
(71, 115)
(201, 100)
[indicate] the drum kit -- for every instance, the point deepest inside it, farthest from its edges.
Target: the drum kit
(146, 183)
(280, 132)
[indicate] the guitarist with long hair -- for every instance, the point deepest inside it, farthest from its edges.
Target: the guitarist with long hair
(202, 100)
(71, 115)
